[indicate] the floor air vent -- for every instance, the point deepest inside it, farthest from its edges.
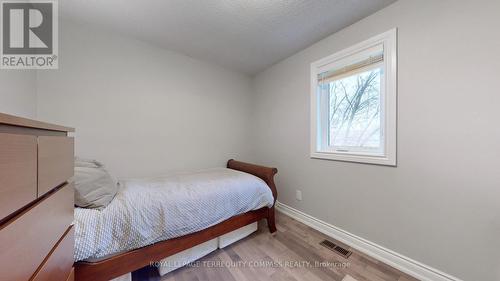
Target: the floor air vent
(337, 249)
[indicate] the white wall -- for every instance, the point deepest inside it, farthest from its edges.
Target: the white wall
(441, 205)
(18, 92)
(144, 110)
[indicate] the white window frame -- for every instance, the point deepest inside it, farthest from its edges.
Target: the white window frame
(388, 100)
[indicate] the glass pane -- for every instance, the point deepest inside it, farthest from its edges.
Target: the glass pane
(355, 112)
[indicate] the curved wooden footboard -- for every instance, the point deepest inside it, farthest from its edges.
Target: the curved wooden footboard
(135, 259)
(265, 173)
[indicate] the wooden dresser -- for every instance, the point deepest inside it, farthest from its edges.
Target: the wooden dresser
(36, 200)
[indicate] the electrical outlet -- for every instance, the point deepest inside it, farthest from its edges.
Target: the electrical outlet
(298, 195)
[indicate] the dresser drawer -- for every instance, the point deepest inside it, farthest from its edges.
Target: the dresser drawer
(18, 160)
(57, 266)
(29, 237)
(55, 162)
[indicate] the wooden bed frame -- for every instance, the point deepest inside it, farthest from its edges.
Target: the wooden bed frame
(135, 259)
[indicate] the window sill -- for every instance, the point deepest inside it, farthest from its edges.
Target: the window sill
(357, 158)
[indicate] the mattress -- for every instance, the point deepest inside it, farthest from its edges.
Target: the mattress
(146, 211)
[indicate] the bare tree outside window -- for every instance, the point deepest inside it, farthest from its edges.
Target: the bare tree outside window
(354, 103)
(355, 117)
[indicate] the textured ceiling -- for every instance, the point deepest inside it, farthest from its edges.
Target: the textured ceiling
(243, 35)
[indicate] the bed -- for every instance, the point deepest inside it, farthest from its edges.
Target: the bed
(141, 227)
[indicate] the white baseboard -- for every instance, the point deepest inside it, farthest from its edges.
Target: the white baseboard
(411, 267)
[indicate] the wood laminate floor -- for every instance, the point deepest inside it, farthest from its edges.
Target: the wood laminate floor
(293, 254)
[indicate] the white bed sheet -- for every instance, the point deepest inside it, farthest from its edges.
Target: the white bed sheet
(146, 211)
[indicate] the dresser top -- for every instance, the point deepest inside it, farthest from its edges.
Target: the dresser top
(11, 120)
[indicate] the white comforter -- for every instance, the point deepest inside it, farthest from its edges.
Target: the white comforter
(146, 211)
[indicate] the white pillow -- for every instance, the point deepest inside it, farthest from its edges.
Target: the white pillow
(82, 162)
(94, 186)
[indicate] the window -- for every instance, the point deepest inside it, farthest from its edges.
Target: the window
(353, 103)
